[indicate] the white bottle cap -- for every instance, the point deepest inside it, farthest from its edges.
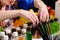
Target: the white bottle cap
(15, 34)
(23, 30)
(2, 33)
(8, 31)
(25, 25)
(6, 37)
(18, 28)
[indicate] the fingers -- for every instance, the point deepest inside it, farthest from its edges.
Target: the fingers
(40, 15)
(47, 15)
(47, 18)
(33, 18)
(36, 18)
(44, 16)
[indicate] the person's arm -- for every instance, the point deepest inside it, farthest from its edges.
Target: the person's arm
(15, 13)
(9, 14)
(39, 3)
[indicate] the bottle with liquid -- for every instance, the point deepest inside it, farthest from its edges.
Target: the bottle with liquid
(20, 37)
(28, 34)
(8, 33)
(34, 32)
(24, 33)
(2, 34)
(6, 37)
(14, 36)
(52, 26)
(56, 24)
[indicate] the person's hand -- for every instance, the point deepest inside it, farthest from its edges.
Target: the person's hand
(43, 14)
(30, 15)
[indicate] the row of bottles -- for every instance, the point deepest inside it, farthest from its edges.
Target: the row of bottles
(12, 33)
(37, 31)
